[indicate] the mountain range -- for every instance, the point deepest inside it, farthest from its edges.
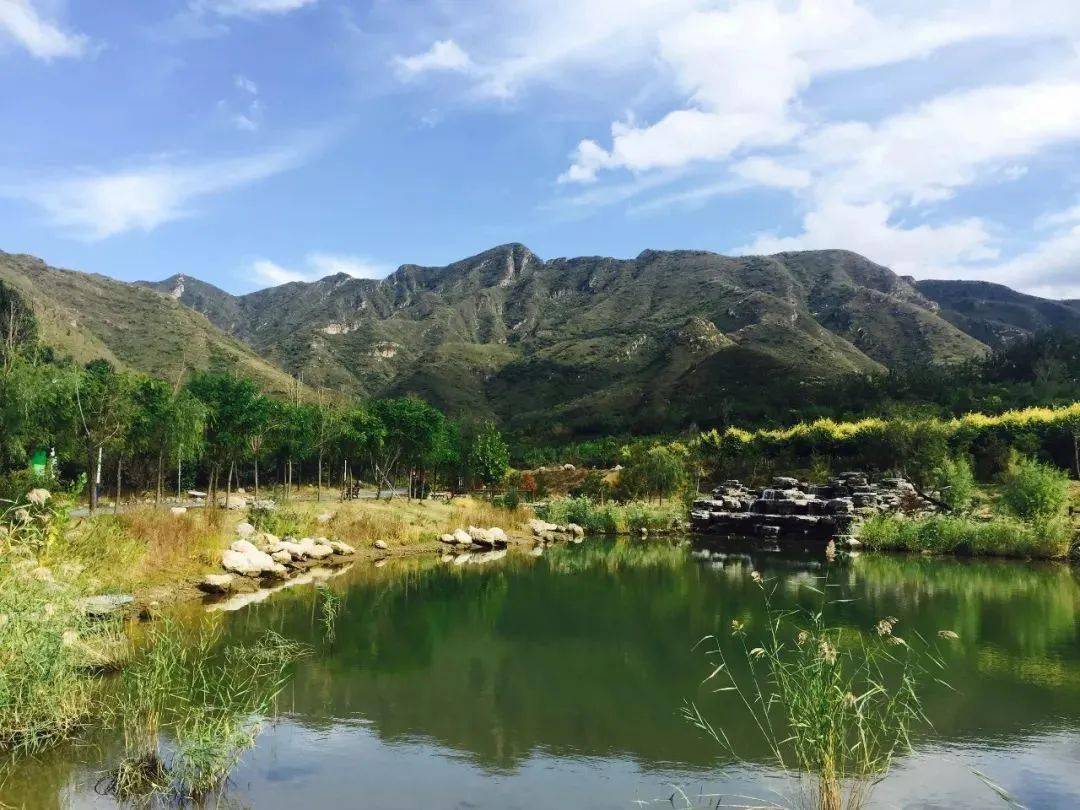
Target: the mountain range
(559, 347)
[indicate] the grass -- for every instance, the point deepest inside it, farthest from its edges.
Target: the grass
(1000, 536)
(145, 547)
(614, 518)
(49, 651)
(211, 701)
(835, 706)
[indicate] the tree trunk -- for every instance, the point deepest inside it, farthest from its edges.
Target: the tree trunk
(318, 485)
(116, 503)
(256, 478)
(212, 492)
(160, 474)
(91, 480)
(1076, 454)
(228, 485)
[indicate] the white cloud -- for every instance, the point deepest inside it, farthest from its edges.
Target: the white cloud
(249, 8)
(245, 84)
(329, 264)
(1050, 268)
(20, 21)
(919, 250)
(102, 204)
(763, 171)
(317, 266)
(444, 55)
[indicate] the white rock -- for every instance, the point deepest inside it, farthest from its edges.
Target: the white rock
(233, 501)
(320, 551)
(381, 545)
(341, 548)
(448, 539)
(243, 558)
(178, 510)
(325, 517)
(462, 537)
(568, 467)
(542, 527)
(478, 535)
(461, 559)
(245, 530)
(498, 535)
(575, 530)
(283, 557)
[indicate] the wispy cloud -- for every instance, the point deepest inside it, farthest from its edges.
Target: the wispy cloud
(249, 8)
(318, 265)
(20, 21)
(444, 55)
(99, 204)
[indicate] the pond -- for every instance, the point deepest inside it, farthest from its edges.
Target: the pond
(558, 682)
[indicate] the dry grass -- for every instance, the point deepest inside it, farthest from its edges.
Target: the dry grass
(146, 547)
(400, 523)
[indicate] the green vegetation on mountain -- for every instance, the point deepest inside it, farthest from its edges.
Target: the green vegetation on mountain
(93, 317)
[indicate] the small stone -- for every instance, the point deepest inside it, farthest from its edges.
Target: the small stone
(325, 517)
(381, 545)
(245, 530)
(343, 549)
(178, 510)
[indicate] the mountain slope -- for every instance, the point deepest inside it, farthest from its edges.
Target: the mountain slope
(592, 343)
(89, 316)
(996, 314)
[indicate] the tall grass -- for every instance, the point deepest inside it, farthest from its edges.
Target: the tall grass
(403, 523)
(835, 706)
(613, 518)
(210, 700)
(949, 534)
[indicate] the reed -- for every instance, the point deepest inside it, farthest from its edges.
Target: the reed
(835, 706)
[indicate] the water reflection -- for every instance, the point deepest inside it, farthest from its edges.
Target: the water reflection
(556, 681)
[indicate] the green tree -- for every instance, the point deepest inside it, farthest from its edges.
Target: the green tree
(955, 483)
(412, 429)
(103, 405)
(488, 456)
(1034, 491)
(234, 410)
(327, 427)
(167, 425)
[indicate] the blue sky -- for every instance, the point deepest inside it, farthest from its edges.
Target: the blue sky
(251, 142)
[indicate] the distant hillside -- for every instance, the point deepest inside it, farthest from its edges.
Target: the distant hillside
(997, 315)
(592, 343)
(90, 316)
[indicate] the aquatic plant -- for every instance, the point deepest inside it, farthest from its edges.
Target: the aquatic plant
(834, 706)
(210, 700)
(330, 604)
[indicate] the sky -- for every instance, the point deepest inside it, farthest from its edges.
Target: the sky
(255, 142)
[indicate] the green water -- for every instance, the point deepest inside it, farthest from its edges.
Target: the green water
(557, 682)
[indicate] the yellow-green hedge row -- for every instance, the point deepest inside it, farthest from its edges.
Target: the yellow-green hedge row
(890, 443)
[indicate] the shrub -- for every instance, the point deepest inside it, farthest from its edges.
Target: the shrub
(1034, 491)
(955, 483)
(279, 521)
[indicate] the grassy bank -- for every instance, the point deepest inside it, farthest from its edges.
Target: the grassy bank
(956, 534)
(615, 518)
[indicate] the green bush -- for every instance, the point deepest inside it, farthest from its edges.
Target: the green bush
(1034, 491)
(278, 521)
(955, 482)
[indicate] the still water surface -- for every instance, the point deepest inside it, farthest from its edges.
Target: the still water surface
(557, 682)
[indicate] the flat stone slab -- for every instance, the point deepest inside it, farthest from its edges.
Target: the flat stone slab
(105, 605)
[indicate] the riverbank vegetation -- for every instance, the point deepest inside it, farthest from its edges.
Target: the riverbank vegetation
(834, 705)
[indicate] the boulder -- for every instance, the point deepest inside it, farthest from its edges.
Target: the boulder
(325, 517)
(344, 549)
(542, 527)
(194, 493)
(575, 530)
(216, 583)
(282, 556)
(233, 501)
(498, 536)
(99, 607)
(244, 530)
(448, 539)
(462, 537)
(178, 510)
(568, 467)
(381, 545)
(243, 558)
(478, 535)
(320, 551)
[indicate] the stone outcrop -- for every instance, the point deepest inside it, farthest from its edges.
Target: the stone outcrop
(553, 533)
(793, 510)
(476, 538)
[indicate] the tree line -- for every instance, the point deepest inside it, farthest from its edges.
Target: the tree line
(103, 422)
